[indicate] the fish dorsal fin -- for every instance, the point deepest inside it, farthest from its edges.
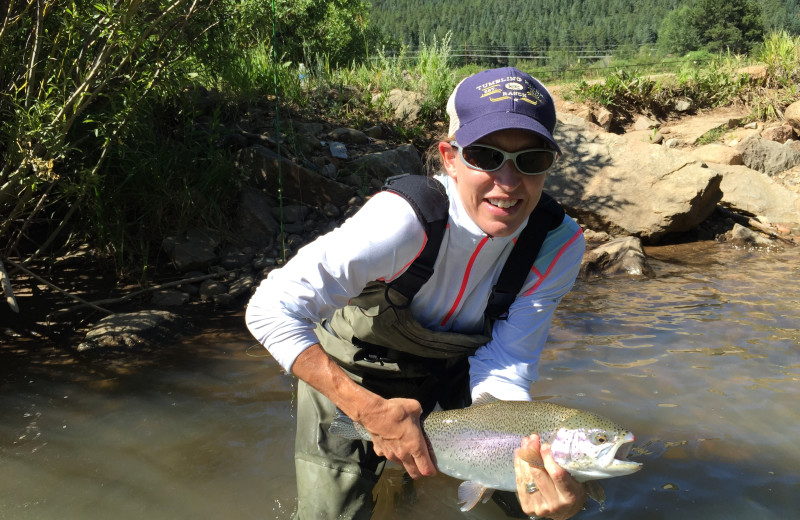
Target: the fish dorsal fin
(484, 398)
(470, 493)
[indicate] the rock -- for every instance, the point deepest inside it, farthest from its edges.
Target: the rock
(381, 165)
(792, 116)
(767, 156)
(752, 192)
(254, 222)
(242, 285)
(272, 172)
(330, 210)
(374, 132)
(718, 153)
(596, 236)
(405, 104)
(623, 255)
(338, 150)
(630, 187)
(235, 258)
(683, 105)
(349, 136)
(689, 130)
(210, 288)
(169, 298)
(292, 212)
(194, 249)
(645, 123)
(756, 72)
(779, 134)
(604, 118)
(746, 237)
(132, 330)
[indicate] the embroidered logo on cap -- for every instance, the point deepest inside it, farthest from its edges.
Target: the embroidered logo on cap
(511, 87)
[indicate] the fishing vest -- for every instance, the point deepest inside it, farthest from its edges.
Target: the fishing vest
(376, 330)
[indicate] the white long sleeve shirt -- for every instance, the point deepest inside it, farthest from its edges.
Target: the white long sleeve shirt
(378, 243)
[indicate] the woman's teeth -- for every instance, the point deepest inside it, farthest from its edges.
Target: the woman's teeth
(504, 203)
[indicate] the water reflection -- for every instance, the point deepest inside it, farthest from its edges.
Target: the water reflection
(701, 362)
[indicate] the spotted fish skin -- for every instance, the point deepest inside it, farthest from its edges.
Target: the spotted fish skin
(477, 443)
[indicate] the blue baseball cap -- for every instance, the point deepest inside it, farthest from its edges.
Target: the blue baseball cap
(500, 99)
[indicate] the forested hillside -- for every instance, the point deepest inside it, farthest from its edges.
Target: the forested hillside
(548, 24)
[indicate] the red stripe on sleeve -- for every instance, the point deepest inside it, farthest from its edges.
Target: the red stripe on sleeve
(553, 263)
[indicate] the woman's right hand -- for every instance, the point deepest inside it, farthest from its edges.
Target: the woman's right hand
(394, 425)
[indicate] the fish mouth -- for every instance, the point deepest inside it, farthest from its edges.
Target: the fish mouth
(613, 459)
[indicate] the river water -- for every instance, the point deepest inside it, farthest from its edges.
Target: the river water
(700, 362)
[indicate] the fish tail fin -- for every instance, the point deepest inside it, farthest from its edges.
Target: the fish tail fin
(343, 426)
(470, 493)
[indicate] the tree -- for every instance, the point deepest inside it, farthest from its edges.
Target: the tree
(734, 25)
(675, 35)
(310, 29)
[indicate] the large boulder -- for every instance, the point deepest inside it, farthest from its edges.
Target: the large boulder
(405, 104)
(767, 156)
(131, 330)
(273, 173)
(381, 165)
(628, 186)
(195, 248)
(753, 192)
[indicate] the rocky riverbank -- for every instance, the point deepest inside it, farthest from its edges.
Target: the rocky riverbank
(649, 182)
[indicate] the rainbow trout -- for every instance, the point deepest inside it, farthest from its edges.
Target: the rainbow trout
(477, 444)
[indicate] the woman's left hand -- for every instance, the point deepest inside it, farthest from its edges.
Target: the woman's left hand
(555, 493)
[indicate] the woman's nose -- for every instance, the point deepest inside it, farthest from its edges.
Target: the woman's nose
(508, 175)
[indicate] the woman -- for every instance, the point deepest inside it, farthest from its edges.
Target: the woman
(308, 314)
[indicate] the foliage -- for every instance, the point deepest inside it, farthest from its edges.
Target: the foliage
(488, 32)
(677, 36)
(74, 74)
(106, 131)
(726, 25)
(714, 83)
(781, 55)
(308, 28)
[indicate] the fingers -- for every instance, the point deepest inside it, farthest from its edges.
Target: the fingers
(529, 451)
(544, 488)
(398, 436)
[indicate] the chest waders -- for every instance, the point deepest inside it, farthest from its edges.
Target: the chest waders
(378, 342)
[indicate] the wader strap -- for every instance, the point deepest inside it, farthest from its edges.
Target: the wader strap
(547, 216)
(428, 198)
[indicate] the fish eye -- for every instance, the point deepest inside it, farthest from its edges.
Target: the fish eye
(600, 438)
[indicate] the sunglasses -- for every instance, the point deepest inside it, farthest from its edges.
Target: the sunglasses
(534, 161)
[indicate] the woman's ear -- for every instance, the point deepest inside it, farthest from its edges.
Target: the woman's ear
(449, 157)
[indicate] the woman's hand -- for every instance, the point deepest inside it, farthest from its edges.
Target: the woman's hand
(394, 426)
(555, 493)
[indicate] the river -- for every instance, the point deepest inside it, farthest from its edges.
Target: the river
(700, 362)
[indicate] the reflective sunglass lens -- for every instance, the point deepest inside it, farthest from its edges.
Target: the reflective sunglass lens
(483, 158)
(535, 161)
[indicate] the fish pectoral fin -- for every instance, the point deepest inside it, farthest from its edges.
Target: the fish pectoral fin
(595, 491)
(470, 493)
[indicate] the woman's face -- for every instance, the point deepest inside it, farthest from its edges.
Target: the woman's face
(499, 201)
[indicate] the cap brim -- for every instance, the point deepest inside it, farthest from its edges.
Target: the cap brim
(485, 125)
